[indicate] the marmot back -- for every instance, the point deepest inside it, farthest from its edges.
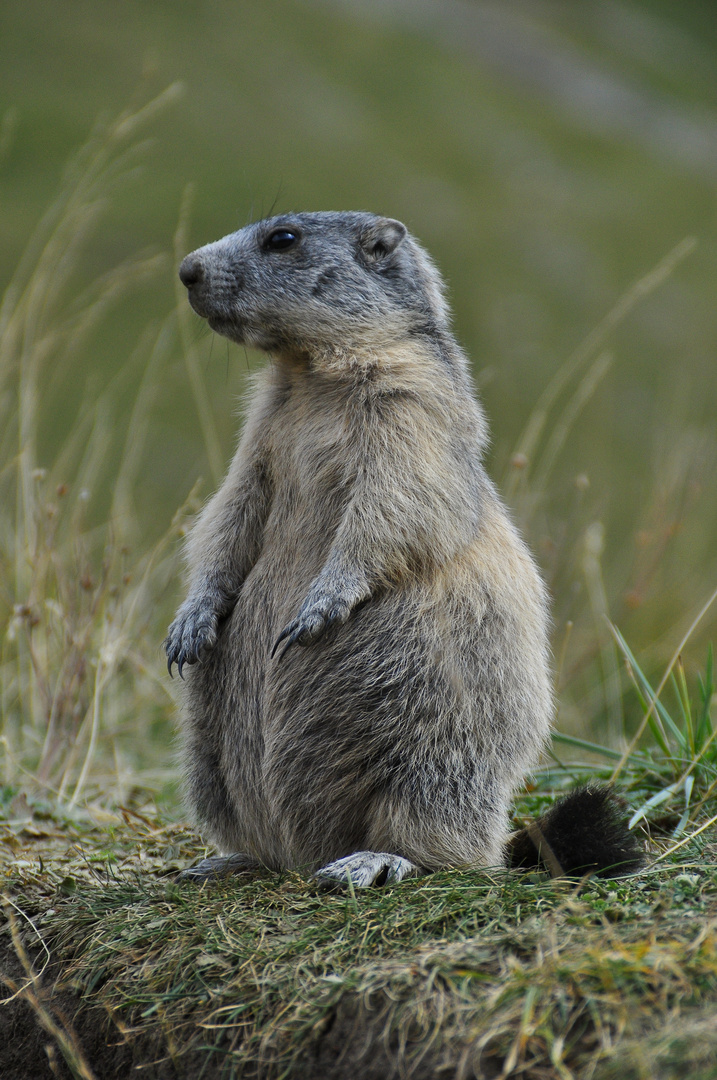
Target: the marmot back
(367, 633)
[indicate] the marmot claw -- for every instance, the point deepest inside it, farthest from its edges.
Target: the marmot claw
(192, 634)
(314, 619)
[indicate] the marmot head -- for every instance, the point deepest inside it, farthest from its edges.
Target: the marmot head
(316, 281)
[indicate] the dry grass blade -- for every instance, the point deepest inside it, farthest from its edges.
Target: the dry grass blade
(687, 839)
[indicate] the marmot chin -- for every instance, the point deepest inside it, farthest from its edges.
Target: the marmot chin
(367, 632)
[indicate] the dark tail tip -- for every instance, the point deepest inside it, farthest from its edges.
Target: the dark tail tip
(585, 832)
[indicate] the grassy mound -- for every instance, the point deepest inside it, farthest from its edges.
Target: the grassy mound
(458, 974)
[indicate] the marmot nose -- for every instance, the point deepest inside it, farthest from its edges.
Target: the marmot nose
(191, 271)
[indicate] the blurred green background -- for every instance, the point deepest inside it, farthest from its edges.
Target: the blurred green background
(548, 154)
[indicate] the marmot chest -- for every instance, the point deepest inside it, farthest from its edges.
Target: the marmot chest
(315, 461)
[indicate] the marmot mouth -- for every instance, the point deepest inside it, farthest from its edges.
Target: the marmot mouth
(229, 328)
(195, 302)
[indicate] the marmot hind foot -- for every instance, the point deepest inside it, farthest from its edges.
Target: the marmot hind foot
(365, 868)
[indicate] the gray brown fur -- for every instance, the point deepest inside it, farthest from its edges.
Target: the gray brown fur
(410, 692)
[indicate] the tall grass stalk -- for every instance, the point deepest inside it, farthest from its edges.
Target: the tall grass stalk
(610, 682)
(201, 400)
(80, 603)
(527, 445)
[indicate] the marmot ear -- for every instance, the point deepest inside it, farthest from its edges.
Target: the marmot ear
(381, 238)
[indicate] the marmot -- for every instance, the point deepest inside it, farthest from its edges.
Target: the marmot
(368, 634)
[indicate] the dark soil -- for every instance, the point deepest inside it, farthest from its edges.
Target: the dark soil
(351, 1047)
(29, 1052)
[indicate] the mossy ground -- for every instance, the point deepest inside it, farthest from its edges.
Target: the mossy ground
(458, 974)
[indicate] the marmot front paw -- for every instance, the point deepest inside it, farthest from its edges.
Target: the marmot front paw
(192, 634)
(316, 615)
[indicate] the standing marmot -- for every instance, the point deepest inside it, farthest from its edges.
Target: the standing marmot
(369, 631)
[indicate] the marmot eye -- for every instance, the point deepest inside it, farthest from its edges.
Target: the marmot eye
(280, 239)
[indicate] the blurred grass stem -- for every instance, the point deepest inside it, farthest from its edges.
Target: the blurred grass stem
(528, 441)
(184, 315)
